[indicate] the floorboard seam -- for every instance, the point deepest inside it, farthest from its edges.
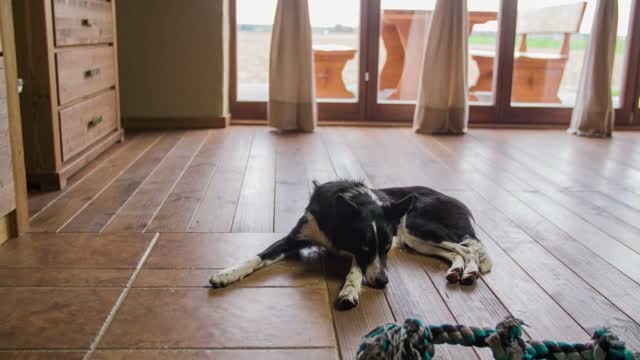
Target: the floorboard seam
(145, 180)
(120, 300)
(71, 187)
(178, 178)
(95, 196)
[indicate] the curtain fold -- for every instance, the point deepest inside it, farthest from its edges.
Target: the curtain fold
(593, 114)
(292, 100)
(442, 105)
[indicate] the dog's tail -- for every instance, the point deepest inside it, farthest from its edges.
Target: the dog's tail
(477, 247)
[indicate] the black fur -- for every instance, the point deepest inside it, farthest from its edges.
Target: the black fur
(434, 215)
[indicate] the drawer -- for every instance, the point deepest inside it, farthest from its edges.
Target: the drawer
(85, 122)
(83, 71)
(78, 22)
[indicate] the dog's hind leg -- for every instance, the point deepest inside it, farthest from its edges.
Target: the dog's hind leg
(429, 248)
(274, 253)
(470, 253)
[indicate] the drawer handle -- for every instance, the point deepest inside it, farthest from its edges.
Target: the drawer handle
(94, 122)
(87, 22)
(91, 72)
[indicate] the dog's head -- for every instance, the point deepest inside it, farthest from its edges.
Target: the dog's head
(366, 231)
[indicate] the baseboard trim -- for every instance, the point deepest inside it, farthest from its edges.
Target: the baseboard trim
(7, 226)
(204, 122)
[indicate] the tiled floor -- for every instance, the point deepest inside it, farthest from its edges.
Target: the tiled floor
(118, 262)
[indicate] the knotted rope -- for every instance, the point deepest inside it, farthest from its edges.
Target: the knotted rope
(415, 341)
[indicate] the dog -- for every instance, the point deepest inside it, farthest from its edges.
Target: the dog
(348, 218)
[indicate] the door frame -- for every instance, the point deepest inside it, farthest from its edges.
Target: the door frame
(498, 113)
(333, 111)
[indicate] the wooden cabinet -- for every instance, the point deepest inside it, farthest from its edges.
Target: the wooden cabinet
(67, 56)
(14, 216)
(7, 188)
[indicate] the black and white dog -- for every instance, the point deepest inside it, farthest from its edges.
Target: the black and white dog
(349, 218)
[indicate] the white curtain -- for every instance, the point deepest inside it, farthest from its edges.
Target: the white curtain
(593, 114)
(292, 104)
(443, 106)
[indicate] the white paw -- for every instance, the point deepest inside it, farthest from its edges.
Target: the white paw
(470, 273)
(347, 299)
(224, 278)
(455, 271)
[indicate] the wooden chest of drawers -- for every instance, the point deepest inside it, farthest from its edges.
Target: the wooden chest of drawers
(67, 56)
(7, 190)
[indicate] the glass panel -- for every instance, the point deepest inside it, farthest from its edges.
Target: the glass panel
(254, 20)
(624, 16)
(336, 40)
(336, 37)
(551, 40)
(483, 26)
(403, 27)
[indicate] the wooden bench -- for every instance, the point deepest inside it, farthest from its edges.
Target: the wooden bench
(536, 75)
(329, 62)
(403, 36)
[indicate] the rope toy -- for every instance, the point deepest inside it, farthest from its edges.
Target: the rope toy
(416, 341)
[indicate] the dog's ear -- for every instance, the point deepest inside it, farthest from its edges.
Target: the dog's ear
(345, 208)
(396, 210)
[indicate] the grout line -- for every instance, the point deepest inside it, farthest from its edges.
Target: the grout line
(120, 300)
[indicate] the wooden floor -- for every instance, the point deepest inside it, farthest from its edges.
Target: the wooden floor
(120, 259)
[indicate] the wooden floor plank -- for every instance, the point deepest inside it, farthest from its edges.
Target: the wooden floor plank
(255, 209)
(137, 212)
(600, 243)
(587, 306)
(344, 162)
(502, 260)
(622, 211)
(619, 230)
(602, 276)
(180, 206)
(291, 184)
(102, 208)
(560, 216)
(38, 200)
(218, 205)
(54, 216)
(561, 152)
(411, 294)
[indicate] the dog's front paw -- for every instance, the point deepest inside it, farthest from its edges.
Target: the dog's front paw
(346, 300)
(222, 278)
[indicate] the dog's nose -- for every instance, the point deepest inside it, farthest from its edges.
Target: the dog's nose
(380, 281)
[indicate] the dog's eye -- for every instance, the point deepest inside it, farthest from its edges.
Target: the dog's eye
(364, 248)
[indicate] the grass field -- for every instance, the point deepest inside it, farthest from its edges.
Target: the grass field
(577, 42)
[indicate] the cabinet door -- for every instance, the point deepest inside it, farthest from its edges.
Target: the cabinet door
(7, 191)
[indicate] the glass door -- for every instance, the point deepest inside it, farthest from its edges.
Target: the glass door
(338, 48)
(397, 56)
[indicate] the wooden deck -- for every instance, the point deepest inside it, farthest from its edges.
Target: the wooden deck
(120, 259)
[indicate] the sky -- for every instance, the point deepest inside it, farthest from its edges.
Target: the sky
(346, 12)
